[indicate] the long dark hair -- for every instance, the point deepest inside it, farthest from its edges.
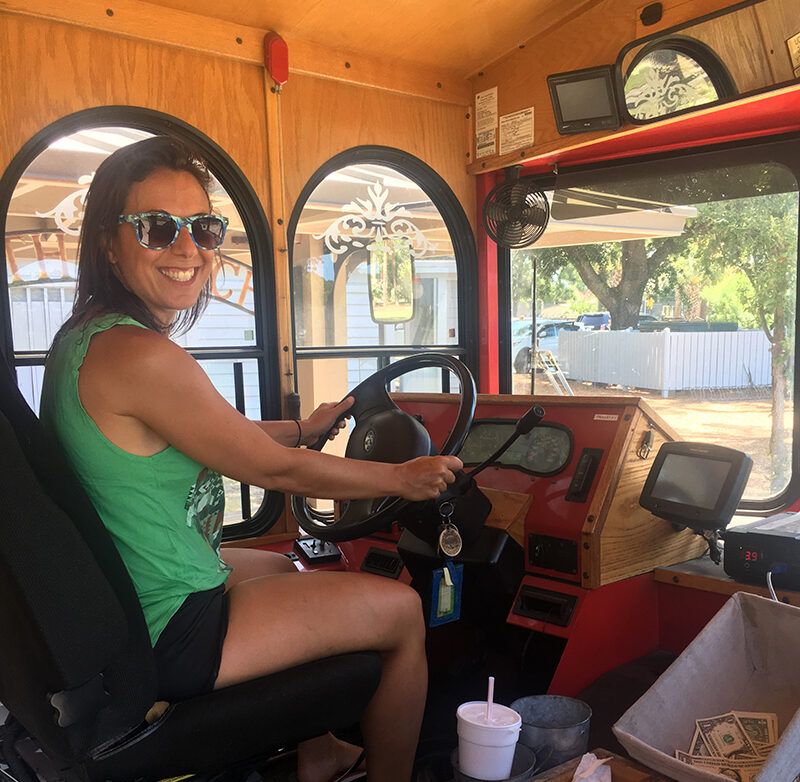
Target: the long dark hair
(99, 290)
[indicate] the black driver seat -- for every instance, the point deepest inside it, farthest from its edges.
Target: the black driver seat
(76, 665)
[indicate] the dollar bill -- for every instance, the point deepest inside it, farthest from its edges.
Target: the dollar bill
(724, 736)
(698, 746)
(761, 728)
(732, 768)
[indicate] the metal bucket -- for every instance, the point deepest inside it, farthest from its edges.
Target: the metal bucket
(555, 727)
(522, 768)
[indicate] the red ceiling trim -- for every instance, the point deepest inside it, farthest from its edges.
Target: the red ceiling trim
(767, 114)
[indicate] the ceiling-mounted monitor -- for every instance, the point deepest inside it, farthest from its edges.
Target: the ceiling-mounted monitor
(584, 100)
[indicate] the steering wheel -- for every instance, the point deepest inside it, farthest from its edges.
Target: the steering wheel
(384, 433)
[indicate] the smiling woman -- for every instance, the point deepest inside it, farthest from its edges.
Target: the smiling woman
(167, 279)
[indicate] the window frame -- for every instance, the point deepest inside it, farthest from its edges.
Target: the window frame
(696, 50)
(464, 251)
(784, 149)
(233, 180)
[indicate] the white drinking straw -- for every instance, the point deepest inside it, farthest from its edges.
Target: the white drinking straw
(489, 699)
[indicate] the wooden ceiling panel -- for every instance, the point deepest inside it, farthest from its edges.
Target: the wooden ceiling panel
(462, 37)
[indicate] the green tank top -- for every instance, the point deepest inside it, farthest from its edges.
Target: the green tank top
(164, 512)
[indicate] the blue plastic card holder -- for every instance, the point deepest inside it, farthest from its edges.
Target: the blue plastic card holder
(446, 594)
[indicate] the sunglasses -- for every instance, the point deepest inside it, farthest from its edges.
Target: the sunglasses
(159, 230)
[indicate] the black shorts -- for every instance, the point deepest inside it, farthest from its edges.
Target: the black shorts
(189, 649)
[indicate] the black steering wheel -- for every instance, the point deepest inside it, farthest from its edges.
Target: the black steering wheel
(384, 433)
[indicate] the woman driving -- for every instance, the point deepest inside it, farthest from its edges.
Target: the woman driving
(149, 437)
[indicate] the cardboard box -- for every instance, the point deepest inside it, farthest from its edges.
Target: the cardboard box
(744, 659)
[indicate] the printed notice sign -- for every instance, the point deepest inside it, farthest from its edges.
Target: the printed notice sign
(516, 130)
(794, 52)
(486, 111)
(485, 143)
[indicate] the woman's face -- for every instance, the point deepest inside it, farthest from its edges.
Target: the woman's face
(171, 279)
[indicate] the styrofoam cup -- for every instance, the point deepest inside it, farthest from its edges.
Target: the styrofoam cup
(486, 745)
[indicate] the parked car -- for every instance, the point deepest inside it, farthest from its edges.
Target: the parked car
(546, 339)
(521, 346)
(547, 335)
(593, 321)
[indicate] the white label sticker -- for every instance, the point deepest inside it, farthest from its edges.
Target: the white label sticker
(793, 44)
(606, 417)
(485, 144)
(516, 130)
(486, 111)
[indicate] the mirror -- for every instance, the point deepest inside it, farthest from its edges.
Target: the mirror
(748, 48)
(391, 281)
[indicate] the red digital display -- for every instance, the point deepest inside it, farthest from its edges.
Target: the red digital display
(751, 556)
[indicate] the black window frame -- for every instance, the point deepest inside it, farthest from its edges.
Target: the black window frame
(233, 180)
(711, 63)
(464, 251)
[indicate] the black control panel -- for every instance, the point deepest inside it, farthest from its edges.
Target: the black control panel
(317, 552)
(552, 607)
(559, 554)
(770, 545)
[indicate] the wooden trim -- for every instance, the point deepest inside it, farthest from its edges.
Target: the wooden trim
(151, 23)
(602, 499)
(279, 218)
(216, 37)
(439, 84)
(722, 585)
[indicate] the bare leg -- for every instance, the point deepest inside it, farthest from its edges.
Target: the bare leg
(253, 563)
(287, 619)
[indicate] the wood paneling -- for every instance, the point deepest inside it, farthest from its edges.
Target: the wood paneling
(632, 540)
(228, 37)
(442, 34)
(594, 37)
(51, 70)
(322, 118)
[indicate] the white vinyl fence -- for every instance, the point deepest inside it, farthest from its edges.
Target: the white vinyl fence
(666, 360)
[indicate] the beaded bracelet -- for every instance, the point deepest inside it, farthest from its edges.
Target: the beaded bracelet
(299, 433)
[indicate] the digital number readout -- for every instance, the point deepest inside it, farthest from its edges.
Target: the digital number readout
(751, 556)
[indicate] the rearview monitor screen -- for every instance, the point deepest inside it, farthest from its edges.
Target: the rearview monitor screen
(584, 100)
(691, 480)
(697, 485)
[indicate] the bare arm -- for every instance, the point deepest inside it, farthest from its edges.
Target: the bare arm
(307, 431)
(134, 379)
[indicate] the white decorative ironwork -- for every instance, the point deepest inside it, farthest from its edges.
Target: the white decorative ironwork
(371, 223)
(69, 210)
(662, 93)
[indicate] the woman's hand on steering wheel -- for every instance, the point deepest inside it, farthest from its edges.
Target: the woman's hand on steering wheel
(425, 477)
(326, 421)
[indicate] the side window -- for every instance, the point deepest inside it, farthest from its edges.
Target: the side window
(682, 278)
(379, 271)
(41, 249)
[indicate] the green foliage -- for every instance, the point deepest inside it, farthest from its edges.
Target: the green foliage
(732, 299)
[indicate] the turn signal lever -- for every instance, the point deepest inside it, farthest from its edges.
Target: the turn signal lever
(463, 505)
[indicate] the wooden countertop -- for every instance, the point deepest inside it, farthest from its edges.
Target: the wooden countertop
(703, 574)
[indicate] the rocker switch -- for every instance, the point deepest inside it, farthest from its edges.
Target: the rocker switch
(584, 475)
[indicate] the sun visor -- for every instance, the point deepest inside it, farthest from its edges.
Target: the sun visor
(663, 185)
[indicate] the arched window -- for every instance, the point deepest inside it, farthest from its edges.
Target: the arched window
(383, 266)
(42, 195)
(673, 75)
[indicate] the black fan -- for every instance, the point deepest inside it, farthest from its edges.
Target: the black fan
(515, 213)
